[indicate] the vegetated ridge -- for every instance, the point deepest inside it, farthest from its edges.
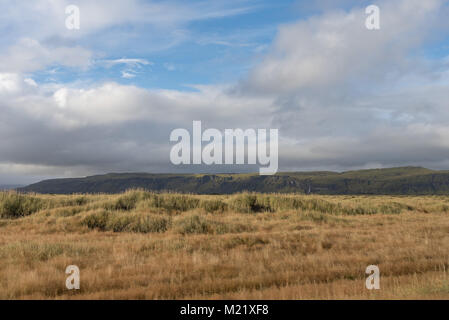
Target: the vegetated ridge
(391, 181)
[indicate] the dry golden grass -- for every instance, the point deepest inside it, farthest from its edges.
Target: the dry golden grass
(140, 245)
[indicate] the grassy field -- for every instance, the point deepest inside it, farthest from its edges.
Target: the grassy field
(142, 245)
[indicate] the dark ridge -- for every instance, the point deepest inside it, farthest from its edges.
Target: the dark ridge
(391, 181)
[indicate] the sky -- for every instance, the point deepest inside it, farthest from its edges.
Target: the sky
(105, 97)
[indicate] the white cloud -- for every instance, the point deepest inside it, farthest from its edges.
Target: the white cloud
(133, 66)
(13, 84)
(30, 55)
(127, 62)
(60, 97)
(336, 49)
(30, 82)
(128, 75)
(9, 82)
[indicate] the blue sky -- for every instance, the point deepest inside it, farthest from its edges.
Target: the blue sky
(105, 98)
(207, 51)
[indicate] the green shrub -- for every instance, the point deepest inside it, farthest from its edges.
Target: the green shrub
(98, 220)
(74, 201)
(245, 203)
(199, 225)
(126, 202)
(213, 206)
(148, 224)
(179, 203)
(129, 200)
(126, 222)
(279, 203)
(170, 202)
(68, 211)
(15, 205)
(118, 222)
(392, 208)
(193, 225)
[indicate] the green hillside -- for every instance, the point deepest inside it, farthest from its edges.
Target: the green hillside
(404, 180)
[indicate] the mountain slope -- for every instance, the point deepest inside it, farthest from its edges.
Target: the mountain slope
(404, 180)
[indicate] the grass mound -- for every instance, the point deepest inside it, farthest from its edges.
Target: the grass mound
(15, 205)
(126, 222)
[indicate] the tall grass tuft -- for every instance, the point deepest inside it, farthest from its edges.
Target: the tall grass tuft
(128, 201)
(193, 225)
(14, 205)
(197, 224)
(248, 203)
(126, 222)
(213, 206)
(170, 202)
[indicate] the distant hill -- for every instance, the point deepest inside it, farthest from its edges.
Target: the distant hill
(394, 181)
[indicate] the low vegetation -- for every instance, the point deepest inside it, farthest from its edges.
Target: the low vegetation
(14, 205)
(146, 245)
